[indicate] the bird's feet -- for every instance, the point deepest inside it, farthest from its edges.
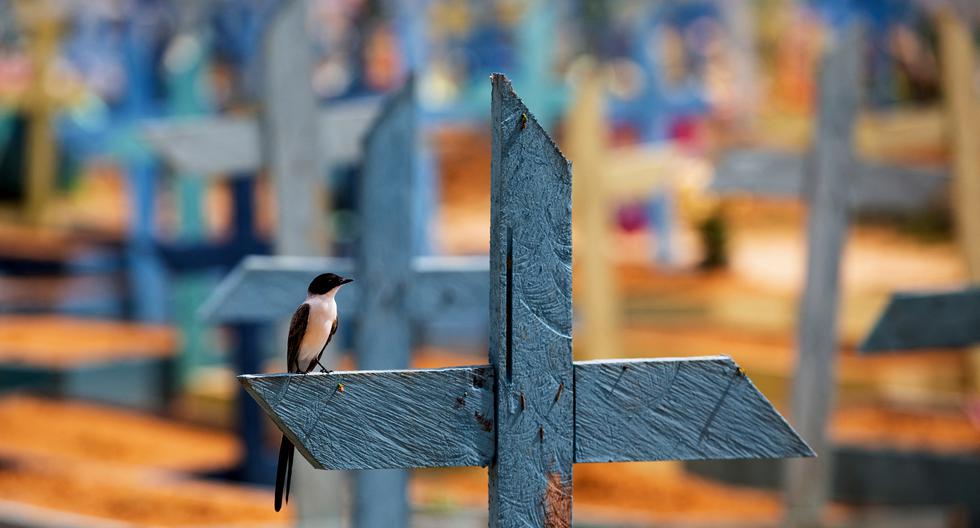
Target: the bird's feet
(323, 369)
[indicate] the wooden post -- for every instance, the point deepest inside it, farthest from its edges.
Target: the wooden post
(808, 482)
(40, 18)
(531, 413)
(290, 133)
(959, 69)
(384, 264)
(290, 145)
(531, 318)
(600, 293)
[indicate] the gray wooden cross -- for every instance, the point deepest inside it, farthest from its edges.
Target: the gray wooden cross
(394, 293)
(834, 183)
(808, 484)
(294, 139)
(531, 413)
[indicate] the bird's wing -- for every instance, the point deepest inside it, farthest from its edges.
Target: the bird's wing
(297, 329)
(333, 330)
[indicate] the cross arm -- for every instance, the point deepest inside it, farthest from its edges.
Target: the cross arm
(675, 409)
(231, 145)
(877, 187)
(383, 418)
(927, 320)
(654, 409)
(266, 288)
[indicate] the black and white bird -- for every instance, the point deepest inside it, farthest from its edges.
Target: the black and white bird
(313, 325)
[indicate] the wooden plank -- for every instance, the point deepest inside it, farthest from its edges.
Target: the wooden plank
(927, 320)
(266, 288)
(875, 187)
(808, 481)
(530, 318)
(230, 146)
(957, 47)
(383, 419)
(600, 301)
(290, 133)
(675, 409)
(626, 410)
(295, 163)
(384, 265)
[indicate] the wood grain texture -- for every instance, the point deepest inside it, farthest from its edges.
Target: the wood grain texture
(383, 419)
(914, 320)
(675, 409)
(268, 288)
(832, 164)
(230, 146)
(626, 410)
(875, 187)
(530, 318)
(384, 264)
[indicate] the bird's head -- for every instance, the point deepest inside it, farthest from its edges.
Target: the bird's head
(326, 283)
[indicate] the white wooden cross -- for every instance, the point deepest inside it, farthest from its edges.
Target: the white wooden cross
(531, 413)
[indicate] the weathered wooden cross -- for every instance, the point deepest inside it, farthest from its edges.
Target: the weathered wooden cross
(394, 293)
(950, 318)
(531, 413)
(834, 183)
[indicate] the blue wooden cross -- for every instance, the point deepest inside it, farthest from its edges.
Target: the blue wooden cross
(394, 293)
(531, 413)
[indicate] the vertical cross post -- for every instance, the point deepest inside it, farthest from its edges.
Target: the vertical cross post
(587, 142)
(384, 264)
(831, 164)
(530, 318)
(290, 132)
(958, 67)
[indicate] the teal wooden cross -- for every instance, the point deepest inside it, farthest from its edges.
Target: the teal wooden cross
(531, 413)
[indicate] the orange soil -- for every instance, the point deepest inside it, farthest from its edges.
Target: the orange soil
(902, 429)
(141, 498)
(641, 490)
(56, 341)
(69, 432)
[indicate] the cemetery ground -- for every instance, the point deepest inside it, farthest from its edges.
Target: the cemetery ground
(97, 462)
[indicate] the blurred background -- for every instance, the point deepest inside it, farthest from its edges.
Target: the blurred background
(138, 166)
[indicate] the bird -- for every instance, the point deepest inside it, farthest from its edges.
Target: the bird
(313, 325)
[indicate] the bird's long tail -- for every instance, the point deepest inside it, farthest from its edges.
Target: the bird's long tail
(284, 471)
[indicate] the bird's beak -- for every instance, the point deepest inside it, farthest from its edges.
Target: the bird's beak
(345, 281)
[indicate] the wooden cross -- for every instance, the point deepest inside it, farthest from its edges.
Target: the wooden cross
(40, 101)
(834, 183)
(605, 176)
(531, 413)
(293, 138)
(952, 318)
(394, 293)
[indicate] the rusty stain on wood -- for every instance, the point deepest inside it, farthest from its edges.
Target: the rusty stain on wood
(558, 502)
